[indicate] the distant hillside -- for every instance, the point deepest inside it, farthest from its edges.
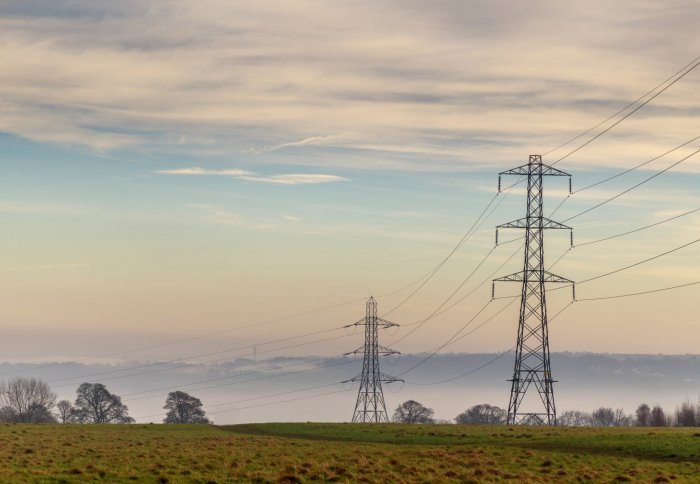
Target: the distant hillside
(585, 380)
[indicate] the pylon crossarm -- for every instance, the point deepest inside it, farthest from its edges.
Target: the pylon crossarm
(516, 277)
(386, 324)
(357, 323)
(547, 277)
(522, 223)
(539, 168)
(389, 379)
(359, 350)
(384, 351)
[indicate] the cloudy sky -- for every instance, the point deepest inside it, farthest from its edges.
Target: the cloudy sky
(177, 168)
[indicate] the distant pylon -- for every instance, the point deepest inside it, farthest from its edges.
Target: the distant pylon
(370, 406)
(532, 365)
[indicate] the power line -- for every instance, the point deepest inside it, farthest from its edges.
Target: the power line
(623, 109)
(494, 316)
(612, 272)
(278, 402)
(438, 312)
(488, 363)
(649, 259)
(309, 361)
(478, 223)
(249, 380)
(315, 387)
(435, 313)
(678, 78)
(636, 167)
(675, 249)
(325, 386)
(428, 275)
(641, 293)
(638, 229)
(249, 372)
(302, 363)
(442, 263)
(200, 336)
(453, 338)
(160, 370)
(634, 186)
(108, 372)
(470, 372)
(622, 193)
(448, 341)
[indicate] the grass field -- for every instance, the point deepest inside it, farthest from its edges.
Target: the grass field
(345, 453)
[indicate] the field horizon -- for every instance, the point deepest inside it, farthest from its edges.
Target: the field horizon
(325, 452)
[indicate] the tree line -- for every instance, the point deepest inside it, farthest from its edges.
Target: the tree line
(687, 414)
(29, 400)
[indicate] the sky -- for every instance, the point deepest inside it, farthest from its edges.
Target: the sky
(176, 169)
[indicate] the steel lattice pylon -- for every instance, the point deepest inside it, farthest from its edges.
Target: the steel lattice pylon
(532, 366)
(370, 406)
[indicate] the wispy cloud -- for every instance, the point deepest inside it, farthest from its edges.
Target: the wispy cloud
(295, 179)
(285, 179)
(451, 82)
(311, 141)
(203, 171)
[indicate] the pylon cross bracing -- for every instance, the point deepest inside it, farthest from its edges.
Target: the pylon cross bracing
(370, 406)
(532, 366)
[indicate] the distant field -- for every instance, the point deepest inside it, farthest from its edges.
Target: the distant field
(345, 453)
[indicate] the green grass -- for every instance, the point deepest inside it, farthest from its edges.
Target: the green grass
(314, 452)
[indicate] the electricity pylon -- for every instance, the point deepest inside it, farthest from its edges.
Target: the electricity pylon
(532, 365)
(370, 406)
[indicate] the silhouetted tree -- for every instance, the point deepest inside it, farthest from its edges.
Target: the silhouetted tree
(183, 408)
(643, 416)
(66, 412)
(622, 419)
(94, 404)
(574, 418)
(412, 412)
(686, 415)
(602, 417)
(658, 417)
(26, 400)
(482, 414)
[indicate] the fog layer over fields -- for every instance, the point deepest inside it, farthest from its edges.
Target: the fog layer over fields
(245, 390)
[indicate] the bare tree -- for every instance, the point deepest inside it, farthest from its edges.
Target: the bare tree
(26, 400)
(574, 418)
(603, 417)
(482, 414)
(658, 417)
(94, 404)
(183, 408)
(66, 412)
(412, 412)
(643, 416)
(622, 419)
(686, 415)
